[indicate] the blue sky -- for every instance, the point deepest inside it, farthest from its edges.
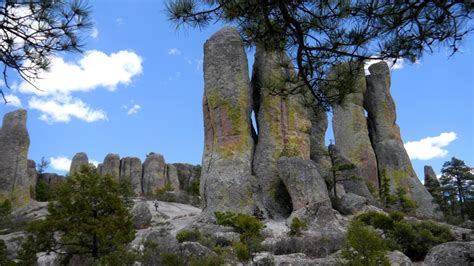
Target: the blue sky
(138, 89)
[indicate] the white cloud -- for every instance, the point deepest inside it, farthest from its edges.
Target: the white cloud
(94, 33)
(392, 64)
(62, 109)
(95, 69)
(13, 100)
(94, 162)
(430, 147)
(119, 21)
(174, 51)
(60, 163)
(134, 109)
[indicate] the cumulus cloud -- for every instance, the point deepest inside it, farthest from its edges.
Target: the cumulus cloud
(60, 163)
(95, 69)
(134, 109)
(62, 109)
(174, 51)
(430, 147)
(13, 100)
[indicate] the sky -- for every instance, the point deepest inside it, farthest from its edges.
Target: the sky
(138, 89)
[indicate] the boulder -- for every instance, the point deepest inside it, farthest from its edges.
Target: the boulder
(451, 253)
(397, 258)
(392, 158)
(351, 203)
(14, 145)
(32, 173)
(48, 259)
(141, 215)
(194, 249)
(154, 169)
(172, 176)
(282, 120)
(351, 134)
(131, 167)
(264, 259)
(77, 161)
(111, 166)
(226, 180)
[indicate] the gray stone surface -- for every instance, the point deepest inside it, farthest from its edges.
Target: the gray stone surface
(297, 259)
(111, 166)
(226, 180)
(32, 174)
(392, 157)
(172, 176)
(451, 253)
(131, 167)
(397, 258)
(77, 161)
(194, 249)
(282, 119)
(318, 151)
(141, 215)
(351, 135)
(51, 179)
(352, 204)
(187, 174)
(154, 170)
(14, 145)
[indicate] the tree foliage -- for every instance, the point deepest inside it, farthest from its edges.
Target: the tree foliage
(32, 32)
(89, 215)
(457, 185)
(320, 34)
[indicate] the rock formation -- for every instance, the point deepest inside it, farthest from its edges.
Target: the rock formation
(111, 166)
(282, 120)
(131, 167)
(32, 174)
(51, 179)
(392, 158)
(318, 150)
(172, 177)
(154, 173)
(188, 175)
(77, 161)
(431, 181)
(14, 144)
(352, 137)
(226, 179)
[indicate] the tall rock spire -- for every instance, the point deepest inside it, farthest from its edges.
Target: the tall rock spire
(14, 145)
(226, 179)
(352, 137)
(78, 161)
(392, 157)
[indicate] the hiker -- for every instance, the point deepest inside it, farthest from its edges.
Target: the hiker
(155, 203)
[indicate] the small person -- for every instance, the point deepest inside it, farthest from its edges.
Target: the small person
(155, 203)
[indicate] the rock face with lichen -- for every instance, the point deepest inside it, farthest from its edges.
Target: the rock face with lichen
(226, 179)
(172, 177)
(131, 167)
(32, 173)
(392, 157)
(352, 137)
(14, 144)
(111, 166)
(318, 150)
(282, 120)
(154, 173)
(77, 161)
(188, 175)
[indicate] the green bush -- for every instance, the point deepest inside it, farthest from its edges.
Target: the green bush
(207, 261)
(167, 187)
(414, 239)
(364, 246)
(188, 235)
(249, 228)
(171, 259)
(242, 251)
(297, 226)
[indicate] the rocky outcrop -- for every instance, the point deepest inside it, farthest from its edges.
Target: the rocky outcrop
(282, 120)
(392, 158)
(131, 167)
(154, 170)
(351, 135)
(397, 258)
(32, 173)
(111, 166)
(141, 215)
(172, 177)
(188, 175)
(451, 253)
(14, 144)
(318, 150)
(226, 179)
(77, 161)
(51, 179)
(194, 249)
(431, 181)
(352, 204)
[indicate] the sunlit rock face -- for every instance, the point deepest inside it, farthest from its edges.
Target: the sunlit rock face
(111, 166)
(78, 160)
(392, 158)
(283, 123)
(154, 173)
(352, 137)
(131, 167)
(226, 179)
(14, 144)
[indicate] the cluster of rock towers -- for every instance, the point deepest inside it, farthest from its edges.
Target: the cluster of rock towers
(285, 157)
